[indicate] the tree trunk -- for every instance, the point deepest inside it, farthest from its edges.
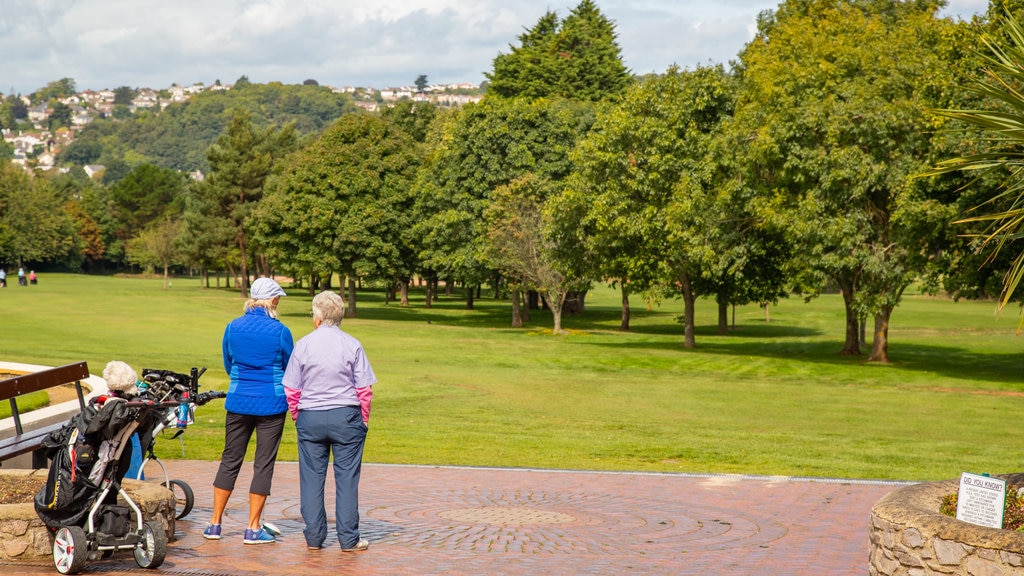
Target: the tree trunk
(517, 315)
(229, 275)
(351, 311)
(428, 301)
(556, 311)
(689, 309)
(723, 311)
(880, 342)
(532, 300)
(244, 269)
(624, 323)
(404, 291)
(167, 275)
(469, 297)
(852, 346)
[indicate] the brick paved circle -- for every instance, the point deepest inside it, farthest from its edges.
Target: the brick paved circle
(528, 521)
(506, 515)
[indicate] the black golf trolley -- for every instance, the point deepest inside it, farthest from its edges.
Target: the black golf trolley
(88, 460)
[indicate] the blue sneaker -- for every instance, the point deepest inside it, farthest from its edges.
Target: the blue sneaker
(212, 532)
(257, 537)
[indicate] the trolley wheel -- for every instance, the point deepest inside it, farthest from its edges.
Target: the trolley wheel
(184, 499)
(70, 550)
(152, 550)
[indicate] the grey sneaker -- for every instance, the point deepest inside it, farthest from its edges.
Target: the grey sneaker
(359, 547)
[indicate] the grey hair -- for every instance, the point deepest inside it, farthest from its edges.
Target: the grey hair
(267, 305)
(329, 308)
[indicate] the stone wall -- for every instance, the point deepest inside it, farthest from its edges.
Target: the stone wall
(24, 537)
(909, 537)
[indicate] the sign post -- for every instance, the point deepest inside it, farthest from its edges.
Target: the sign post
(981, 500)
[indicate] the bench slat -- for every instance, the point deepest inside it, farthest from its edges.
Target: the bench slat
(27, 442)
(25, 383)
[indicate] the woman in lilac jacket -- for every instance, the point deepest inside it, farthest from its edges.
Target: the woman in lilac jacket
(329, 387)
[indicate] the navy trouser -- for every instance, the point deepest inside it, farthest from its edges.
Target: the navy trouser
(320, 433)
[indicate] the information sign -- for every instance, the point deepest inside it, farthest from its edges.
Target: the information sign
(981, 500)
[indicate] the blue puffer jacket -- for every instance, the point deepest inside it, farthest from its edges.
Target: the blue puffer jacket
(256, 349)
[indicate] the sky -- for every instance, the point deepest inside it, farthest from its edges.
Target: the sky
(371, 43)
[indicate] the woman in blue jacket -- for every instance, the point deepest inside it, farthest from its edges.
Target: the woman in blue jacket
(256, 350)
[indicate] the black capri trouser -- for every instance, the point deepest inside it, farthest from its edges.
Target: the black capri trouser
(238, 429)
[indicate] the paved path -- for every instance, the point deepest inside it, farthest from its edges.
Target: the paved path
(475, 521)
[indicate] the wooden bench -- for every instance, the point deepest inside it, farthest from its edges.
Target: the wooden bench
(23, 442)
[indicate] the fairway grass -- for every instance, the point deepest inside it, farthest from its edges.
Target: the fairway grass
(461, 387)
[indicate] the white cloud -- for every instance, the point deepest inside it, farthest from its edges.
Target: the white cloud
(110, 43)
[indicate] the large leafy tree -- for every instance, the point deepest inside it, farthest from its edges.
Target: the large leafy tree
(241, 161)
(834, 108)
(629, 170)
(343, 204)
(576, 58)
(482, 147)
(34, 227)
(146, 194)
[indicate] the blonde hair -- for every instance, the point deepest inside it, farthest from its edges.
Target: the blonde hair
(329, 308)
(267, 305)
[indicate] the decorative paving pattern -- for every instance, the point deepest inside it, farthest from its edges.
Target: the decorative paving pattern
(506, 516)
(533, 522)
(442, 521)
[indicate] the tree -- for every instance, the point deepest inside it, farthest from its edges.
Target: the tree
(343, 204)
(577, 58)
(628, 168)
(156, 246)
(124, 96)
(145, 195)
(835, 129)
(521, 243)
(60, 116)
(33, 225)
(208, 235)
(241, 161)
(476, 150)
(57, 90)
(412, 116)
(421, 83)
(1000, 209)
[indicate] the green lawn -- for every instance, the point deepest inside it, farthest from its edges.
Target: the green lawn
(459, 386)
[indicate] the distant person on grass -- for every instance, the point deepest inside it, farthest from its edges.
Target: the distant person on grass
(256, 350)
(3, 278)
(329, 387)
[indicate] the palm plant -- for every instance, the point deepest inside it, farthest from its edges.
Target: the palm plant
(1002, 126)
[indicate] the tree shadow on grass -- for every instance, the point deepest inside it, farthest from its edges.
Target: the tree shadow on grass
(660, 331)
(806, 345)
